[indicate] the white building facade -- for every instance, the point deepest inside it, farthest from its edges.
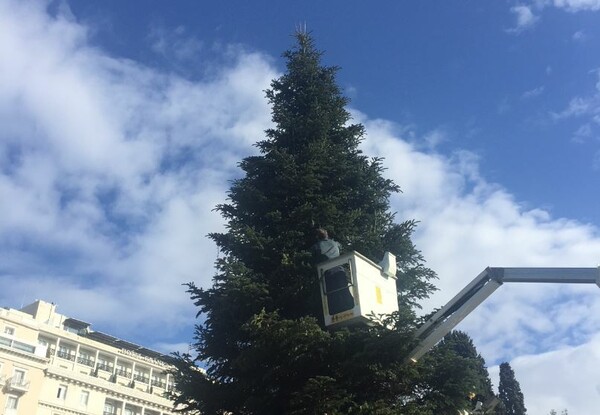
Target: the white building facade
(51, 364)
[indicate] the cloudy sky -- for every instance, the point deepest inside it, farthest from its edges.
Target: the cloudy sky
(122, 122)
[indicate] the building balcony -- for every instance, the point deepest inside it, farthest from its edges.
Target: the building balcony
(66, 355)
(141, 378)
(105, 367)
(85, 361)
(159, 383)
(124, 373)
(17, 385)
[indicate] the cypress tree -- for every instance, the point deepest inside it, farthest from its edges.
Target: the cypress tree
(509, 392)
(261, 338)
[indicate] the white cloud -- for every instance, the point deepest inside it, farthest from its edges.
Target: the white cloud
(582, 133)
(532, 93)
(468, 224)
(578, 5)
(434, 138)
(576, 107)
(584, 109)
(579, 36)
(111, 170)
(525, 19)
(175, 44)
(550, 374)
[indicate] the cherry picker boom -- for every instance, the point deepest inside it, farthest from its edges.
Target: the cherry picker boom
(444, 320)
(354, 289)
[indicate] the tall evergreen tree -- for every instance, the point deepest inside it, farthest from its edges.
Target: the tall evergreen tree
(509, 391)
(262, 338)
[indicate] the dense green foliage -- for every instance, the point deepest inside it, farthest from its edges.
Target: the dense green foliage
(509, 392)
(455, 369)
(262, 338)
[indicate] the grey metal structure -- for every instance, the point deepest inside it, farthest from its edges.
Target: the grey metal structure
(481, 288)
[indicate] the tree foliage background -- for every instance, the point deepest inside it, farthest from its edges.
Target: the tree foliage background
(261, 337)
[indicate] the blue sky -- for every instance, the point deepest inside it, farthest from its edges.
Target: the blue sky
(468, 68)
(122, 123)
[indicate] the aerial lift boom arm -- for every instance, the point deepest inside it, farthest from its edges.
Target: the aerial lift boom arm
(440, 324)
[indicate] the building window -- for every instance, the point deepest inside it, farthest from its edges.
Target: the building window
(18, 376)
(84, 398)
(9, 330)
(23, 346)
(62, 392)
(132, 410)
(12, 402)
(109, 409)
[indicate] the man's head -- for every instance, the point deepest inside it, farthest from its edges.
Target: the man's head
(321, 234)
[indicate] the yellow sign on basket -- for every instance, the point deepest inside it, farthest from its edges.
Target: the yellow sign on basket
(378, 295)
(342, 316)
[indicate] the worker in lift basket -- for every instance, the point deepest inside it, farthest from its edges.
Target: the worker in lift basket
(325, 248)
(336, 281)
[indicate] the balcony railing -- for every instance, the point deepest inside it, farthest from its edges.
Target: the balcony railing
(104, 366)
(85, 361)
(17, 384)
(124, 373)
(159, 383)
(66, 355)
(141, 378)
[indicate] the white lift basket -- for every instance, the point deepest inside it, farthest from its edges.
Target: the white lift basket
(354, 288)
